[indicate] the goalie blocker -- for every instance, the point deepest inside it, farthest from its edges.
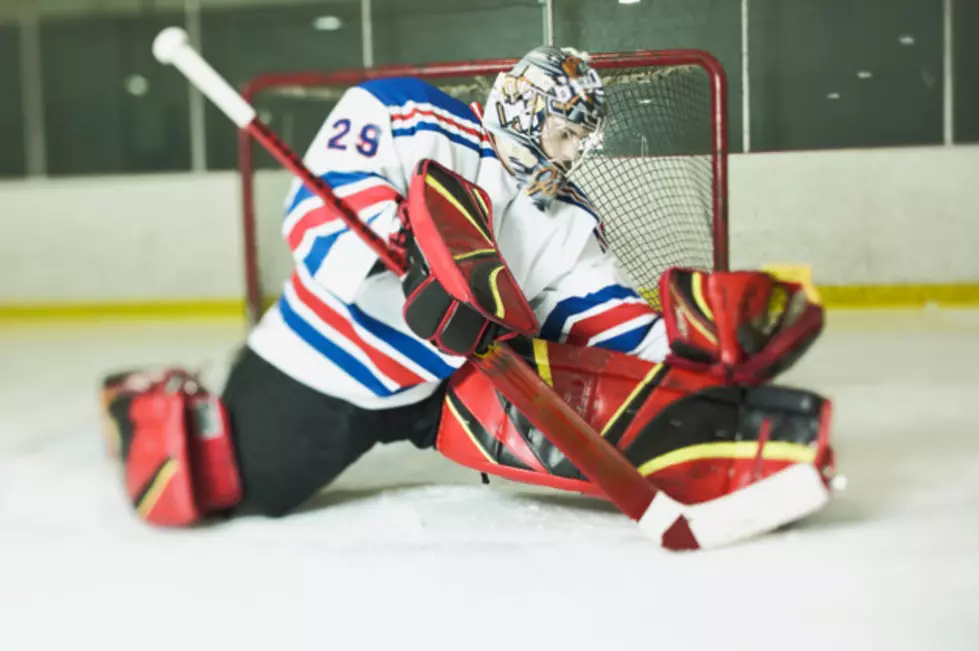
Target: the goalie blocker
(694, 426)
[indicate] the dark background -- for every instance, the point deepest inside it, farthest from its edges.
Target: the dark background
(823, 73)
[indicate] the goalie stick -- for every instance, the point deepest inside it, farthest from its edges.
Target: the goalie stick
(758, 508)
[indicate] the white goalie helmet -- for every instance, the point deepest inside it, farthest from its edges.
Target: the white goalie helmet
(546, 115)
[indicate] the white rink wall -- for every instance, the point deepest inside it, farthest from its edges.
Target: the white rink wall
(120, 238)
(858, 217)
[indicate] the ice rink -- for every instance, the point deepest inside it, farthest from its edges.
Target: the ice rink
(411, 552)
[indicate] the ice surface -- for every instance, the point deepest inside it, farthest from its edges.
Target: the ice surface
(411, 552)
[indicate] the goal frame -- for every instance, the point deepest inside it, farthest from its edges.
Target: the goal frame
(254, 299)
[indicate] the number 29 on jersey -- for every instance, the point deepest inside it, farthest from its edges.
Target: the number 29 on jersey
(346, 135)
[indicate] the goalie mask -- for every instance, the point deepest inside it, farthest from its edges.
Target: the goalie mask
(546, 114)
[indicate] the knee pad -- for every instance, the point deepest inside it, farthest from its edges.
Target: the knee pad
(172, 437)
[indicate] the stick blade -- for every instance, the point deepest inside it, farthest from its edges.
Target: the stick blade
(782, 498)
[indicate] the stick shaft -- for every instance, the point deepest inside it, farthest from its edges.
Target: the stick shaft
(206, 79)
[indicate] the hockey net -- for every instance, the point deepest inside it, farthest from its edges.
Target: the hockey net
(658, 181)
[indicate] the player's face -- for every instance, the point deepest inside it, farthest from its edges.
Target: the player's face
(564, 142)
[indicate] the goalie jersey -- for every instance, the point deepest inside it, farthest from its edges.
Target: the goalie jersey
(338, 326)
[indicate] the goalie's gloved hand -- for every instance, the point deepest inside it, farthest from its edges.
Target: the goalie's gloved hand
(744, 326)
(450, 325)
(459, 292)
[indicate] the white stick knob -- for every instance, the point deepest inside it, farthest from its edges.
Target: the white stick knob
(171, 47)
(168, 43)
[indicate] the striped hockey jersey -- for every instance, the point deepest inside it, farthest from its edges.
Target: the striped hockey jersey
(338, 326)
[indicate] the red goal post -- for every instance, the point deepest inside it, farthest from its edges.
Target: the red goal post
(660, 186)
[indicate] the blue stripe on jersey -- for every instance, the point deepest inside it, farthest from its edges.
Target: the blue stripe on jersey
(335, 180)
(347, 362)
(322, 246)
(627, 341)
(484, 152)
(554, 324)
(397, 91)
(404, 344)
(318, 252)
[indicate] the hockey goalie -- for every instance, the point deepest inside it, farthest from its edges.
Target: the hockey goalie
(482, 205)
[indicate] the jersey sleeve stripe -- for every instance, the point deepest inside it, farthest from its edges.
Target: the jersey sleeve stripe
(367, 199)
(404, 125)
(335, 180)
(394, 92)
(407, 115)
(319, 250)
(585, 330)
(335, 320)
(412, 348)
(323, 244)
(645, 321)
(628, 341)
(485, 151)
(554, 323)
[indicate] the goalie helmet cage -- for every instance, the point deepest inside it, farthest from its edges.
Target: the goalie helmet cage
(658, 179)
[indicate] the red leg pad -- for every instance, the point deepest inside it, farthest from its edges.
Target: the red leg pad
(173, 439)
(687, 432)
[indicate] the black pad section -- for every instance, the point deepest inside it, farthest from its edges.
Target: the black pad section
(683, 282)
(685, 350)
(118, 412)
(425, 309)
(524, 347)
(729, 414)
(546, 452)
(418, 271)
(463, 330)
(783, 399)
(491, 445)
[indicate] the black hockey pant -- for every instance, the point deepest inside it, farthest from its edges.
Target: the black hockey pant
(291, 441)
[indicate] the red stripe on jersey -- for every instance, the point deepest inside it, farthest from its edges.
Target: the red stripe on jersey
(582, 331)
(438, 118)
(390, 367)
(357, 201)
